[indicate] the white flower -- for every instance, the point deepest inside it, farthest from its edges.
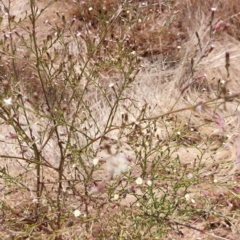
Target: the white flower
(76, 213)
(95, 161)
(129, 168)
(117, 164)
(116, 197)
(8, 101)
(190, 175)
(199, 107)
(187, 197)
(64, 189)
(74, 165)
(35, 200)
(139, 181)
(44, 202)
(149, 183)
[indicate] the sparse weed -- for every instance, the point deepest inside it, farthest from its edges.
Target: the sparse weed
(98, 142)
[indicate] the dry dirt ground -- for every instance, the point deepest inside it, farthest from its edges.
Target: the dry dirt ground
(164, 40)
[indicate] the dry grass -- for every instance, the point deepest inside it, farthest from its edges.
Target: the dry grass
(102, 40)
